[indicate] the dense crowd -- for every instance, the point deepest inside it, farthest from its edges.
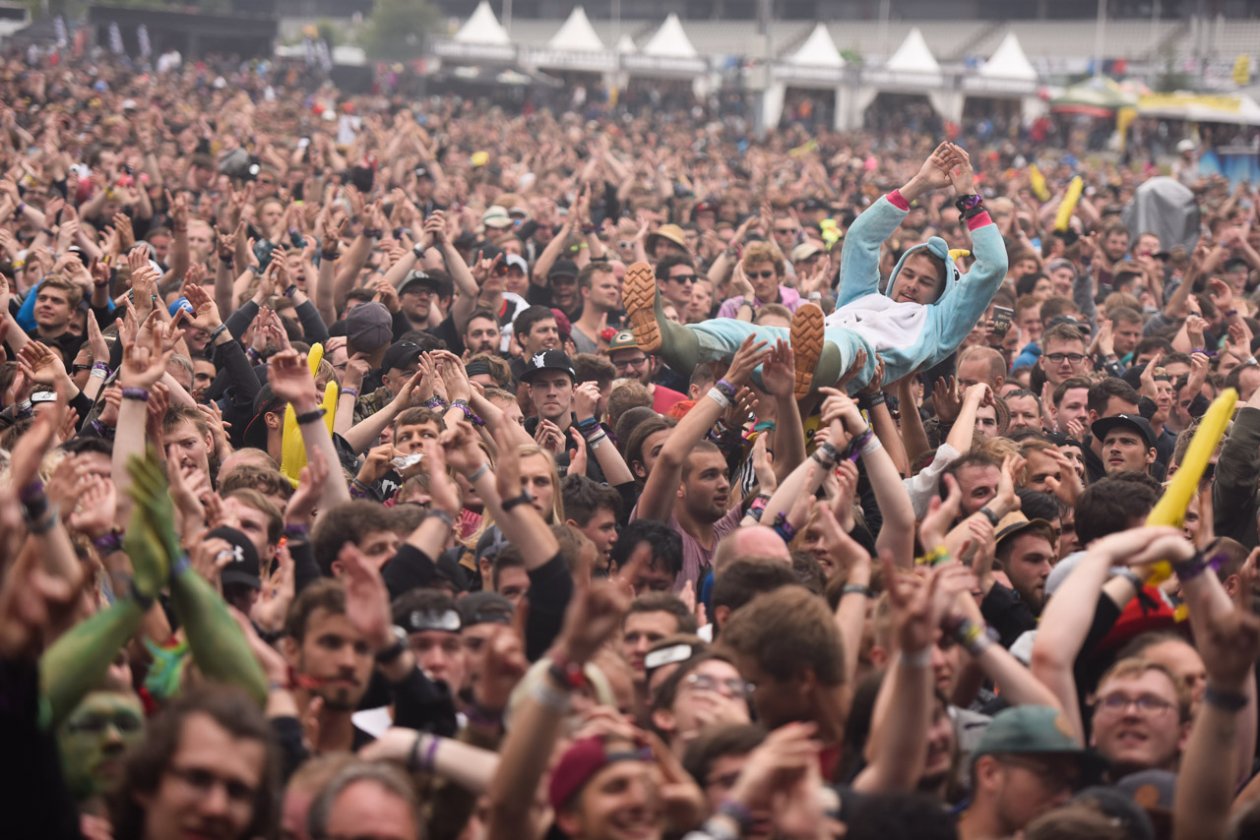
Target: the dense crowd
(382, 468)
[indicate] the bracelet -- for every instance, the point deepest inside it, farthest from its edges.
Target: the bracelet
(218, 331)
(989, 515)
(718, 397)
(590, 424)
(726, 387)
(1195, 566)
(443, 517)
(550, 697)
(436, 402)
(596, 441)
(108, 543)
(373, 233)
(758, 506)
(349, 392)
(935, 557)
(475, 475)
(469, 415)
(826, 454)
(1228, 701)
(100, 370)
(918, 659)
(312, 416)
(516, 501)
(138, 394)
(858, 445)
(857, 589)
(329, 256)
(871, 401)
(413, 757)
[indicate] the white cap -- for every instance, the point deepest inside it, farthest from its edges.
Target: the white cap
(1187, 145)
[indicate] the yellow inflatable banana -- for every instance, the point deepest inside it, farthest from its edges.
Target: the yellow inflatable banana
(1038, 183)
(292, 448)
(1171, 508)
(1068, 206)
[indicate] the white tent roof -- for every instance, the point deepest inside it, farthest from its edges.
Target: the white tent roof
(670, 41)
(1009, 62)
(577, 34)
(626, 46)
(819, 50)
(482, 28)
(913, 56)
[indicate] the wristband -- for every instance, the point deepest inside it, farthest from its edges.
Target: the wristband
(857, 446)
(857, 589)
(718, 397)
(43, 523)
(550, 697)
(872, 445)
(330, 256)
(443, 517)
(1227, 701)
(100, 370)
(469, 415)
(934, 557)
(291, 290)
(475, 475)
(32, 492)
(516, 501)
(918, 659)
(142, 601)
(436, 402)
(373, 233)
(350, 392)
(827, 454)
(296, 531)
(138, 394)
(108, 543)
(1132, 577)
(784, 528)
(589, 424)
(312, 416)
(727, 389)
(1190, 569)
(990, 515)
(218, 331)
(870, 402)
(758, 506)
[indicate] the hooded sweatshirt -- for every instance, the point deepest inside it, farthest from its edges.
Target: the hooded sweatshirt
(909, 336)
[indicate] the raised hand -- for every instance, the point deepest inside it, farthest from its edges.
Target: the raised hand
(145, 357)
(290, 379)
(750, 354)
(778, 371)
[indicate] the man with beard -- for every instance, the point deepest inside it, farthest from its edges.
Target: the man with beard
(601, 299)
(333, 659)
(1025, 548)
(632, 363)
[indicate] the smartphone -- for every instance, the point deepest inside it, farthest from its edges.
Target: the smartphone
(1002, 316)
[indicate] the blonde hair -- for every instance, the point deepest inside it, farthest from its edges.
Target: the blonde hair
(759, 252)
(557, 497)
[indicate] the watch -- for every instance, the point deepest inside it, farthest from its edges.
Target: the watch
(390, 654)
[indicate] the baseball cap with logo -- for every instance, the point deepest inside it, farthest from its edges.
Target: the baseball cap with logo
(624, 340)
(243, 569)
(548, 360)
(1034, 730)
(401, 355)
(1105, 425)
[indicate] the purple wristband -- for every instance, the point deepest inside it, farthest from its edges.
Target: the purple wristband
(140, 394)
(726, 388)
(31, 492)
(108, 543)
(430, 755)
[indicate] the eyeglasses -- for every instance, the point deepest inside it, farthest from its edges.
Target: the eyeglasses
(630, 363)
(1059, 358)
(684, 278)
(1118, 702)
(759, 275)
(787, 231)
(730, 687)
(95, 724)
(205, 781)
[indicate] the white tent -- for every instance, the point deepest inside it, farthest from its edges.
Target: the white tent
(483, 28)
(626, 46)
(819, 50)
(1009, 62)
(577, 34)
(913, 56)
(670, 41)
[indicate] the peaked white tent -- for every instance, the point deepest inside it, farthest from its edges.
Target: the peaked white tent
(576, 34)
(483, 28)
(670, 41)
(913, 56)
(1009, 62)
(819, 50)
(626, 45)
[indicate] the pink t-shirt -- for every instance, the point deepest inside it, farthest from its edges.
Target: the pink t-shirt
(696, 558)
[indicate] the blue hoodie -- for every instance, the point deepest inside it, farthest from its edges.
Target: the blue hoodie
(910, 336)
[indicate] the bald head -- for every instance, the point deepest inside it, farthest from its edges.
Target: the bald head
(981, 364)
(750, 541)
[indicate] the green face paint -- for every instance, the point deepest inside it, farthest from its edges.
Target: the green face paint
(94, 738)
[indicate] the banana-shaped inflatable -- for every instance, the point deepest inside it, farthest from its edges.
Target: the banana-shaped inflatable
(292, 449)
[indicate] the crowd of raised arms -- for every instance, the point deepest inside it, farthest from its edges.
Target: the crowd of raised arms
(389, 468)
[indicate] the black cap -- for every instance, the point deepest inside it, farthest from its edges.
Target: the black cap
(420, 278)
(563, 268)
(548, 360)
(243, 569)
(422, 171)
(447, 620)
(400, 355)
(1102, 427)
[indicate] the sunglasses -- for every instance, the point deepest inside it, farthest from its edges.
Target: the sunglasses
(684, 278)
(760, 275)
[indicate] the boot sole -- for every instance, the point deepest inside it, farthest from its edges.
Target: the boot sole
(638, 292)
(807, 345)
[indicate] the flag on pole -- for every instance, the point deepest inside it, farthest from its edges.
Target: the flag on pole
(324, 55)
(142, 39)
(115, 39)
